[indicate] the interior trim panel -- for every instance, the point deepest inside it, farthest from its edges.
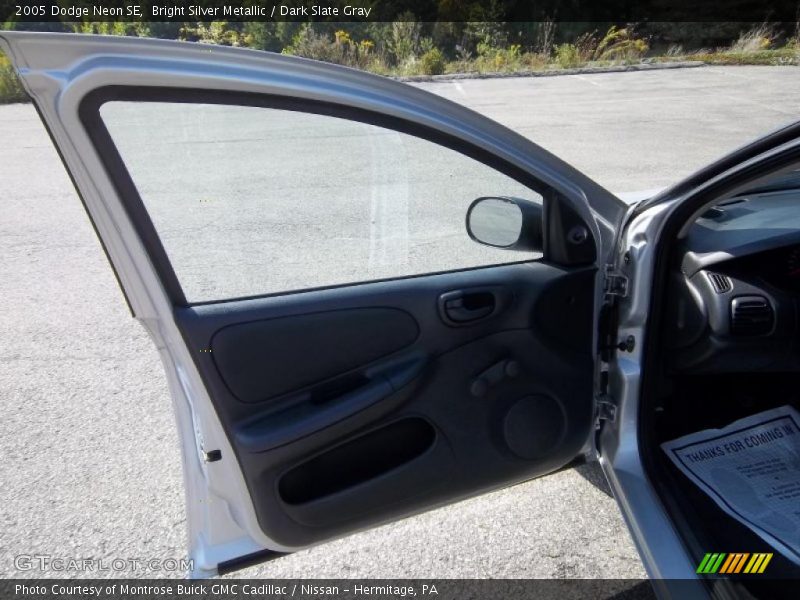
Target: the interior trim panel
(354, 406)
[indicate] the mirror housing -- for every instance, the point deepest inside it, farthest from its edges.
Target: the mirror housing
(506, 222)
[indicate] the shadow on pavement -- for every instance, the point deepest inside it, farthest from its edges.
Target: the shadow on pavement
(592, 473)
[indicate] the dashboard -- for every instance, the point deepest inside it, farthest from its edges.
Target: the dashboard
(735, 297)
(742, 226)
(779, 268)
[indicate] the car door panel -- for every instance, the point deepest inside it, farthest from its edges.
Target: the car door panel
(306, 415)
(404, 424)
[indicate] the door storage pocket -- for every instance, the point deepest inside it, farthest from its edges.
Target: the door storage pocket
(357, 461)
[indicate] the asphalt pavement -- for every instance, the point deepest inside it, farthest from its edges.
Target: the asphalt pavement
(90, 465)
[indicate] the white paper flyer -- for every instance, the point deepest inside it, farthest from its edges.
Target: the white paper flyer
(751, 469)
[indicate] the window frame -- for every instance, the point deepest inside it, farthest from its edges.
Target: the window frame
(117, 171)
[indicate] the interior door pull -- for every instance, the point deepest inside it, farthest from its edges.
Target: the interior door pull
(466, 306)
(458, 311)
(302, 416)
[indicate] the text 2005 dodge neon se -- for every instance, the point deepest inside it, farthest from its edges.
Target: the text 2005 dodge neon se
(343, 352)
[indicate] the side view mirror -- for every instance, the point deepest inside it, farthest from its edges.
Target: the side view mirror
(505, 222)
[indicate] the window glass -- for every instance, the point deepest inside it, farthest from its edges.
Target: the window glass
(250, 201)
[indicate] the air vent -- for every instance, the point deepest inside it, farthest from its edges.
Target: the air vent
(751, 315)
(720, 282)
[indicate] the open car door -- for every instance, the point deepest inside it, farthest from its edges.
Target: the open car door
(340, 352)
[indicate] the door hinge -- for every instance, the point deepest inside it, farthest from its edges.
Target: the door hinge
(616, 284)
(606, 409)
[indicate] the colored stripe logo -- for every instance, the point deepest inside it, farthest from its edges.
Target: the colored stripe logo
(734, 562)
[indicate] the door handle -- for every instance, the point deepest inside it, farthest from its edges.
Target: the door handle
(466, 306)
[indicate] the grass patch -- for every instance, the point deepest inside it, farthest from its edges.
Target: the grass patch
(777, 57)
(403, 50)
(757, 46)
(10, 85)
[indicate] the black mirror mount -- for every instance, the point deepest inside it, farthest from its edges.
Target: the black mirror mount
(506, 222)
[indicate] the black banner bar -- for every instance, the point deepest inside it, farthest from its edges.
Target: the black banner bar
(333, 589)
(585, 11)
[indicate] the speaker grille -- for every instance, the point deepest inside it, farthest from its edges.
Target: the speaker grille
(534, 426)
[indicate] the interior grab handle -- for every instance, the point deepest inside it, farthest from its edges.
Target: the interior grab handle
(302, 416)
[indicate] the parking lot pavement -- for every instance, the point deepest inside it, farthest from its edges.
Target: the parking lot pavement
(90, 458)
